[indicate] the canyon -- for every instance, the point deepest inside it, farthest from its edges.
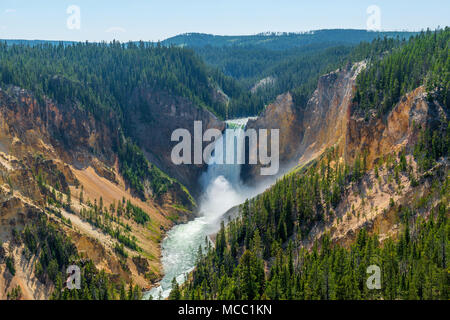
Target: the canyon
(77, 152)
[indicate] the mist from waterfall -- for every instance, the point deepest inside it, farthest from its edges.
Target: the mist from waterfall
(221, 183)
(222, 189)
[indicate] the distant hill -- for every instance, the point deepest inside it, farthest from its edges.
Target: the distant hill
(293, 60)
(282, 41)
(269, 40)
(36, 42)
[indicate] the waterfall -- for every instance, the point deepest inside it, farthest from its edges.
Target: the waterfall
(219, 164)
(221, 182)
(222, 189)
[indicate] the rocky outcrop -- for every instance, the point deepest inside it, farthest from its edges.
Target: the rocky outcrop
(306, 132)
(396, 131)
(153, 116)
(263, 83)
(59, 130)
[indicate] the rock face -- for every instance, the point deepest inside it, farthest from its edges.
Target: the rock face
(326, 114)
(398, 130)
(63, 131)
(329, 120)
(306, 133)
(282, 115)
(154, 116)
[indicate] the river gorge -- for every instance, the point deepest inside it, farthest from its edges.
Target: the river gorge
(222, 189)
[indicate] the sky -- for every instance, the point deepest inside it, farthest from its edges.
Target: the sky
(150, 20)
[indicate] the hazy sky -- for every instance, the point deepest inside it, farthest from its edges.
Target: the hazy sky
(156, 20)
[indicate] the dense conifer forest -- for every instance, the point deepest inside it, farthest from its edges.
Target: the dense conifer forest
(101, 77)
(273, 230)
(424, 60)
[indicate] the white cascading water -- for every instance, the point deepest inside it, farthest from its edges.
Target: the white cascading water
(222, 190)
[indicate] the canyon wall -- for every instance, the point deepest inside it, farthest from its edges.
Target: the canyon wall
(153, 116)
(329, 120)
(306, 132)
(46, 148)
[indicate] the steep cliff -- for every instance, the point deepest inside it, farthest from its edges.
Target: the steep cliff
(331, 123)
(395, 131)
(152, 118)
(306, 132)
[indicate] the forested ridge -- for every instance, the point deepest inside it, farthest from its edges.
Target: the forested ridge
(292, 62)
(284, 40)
(423, 60)
(100, 78)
